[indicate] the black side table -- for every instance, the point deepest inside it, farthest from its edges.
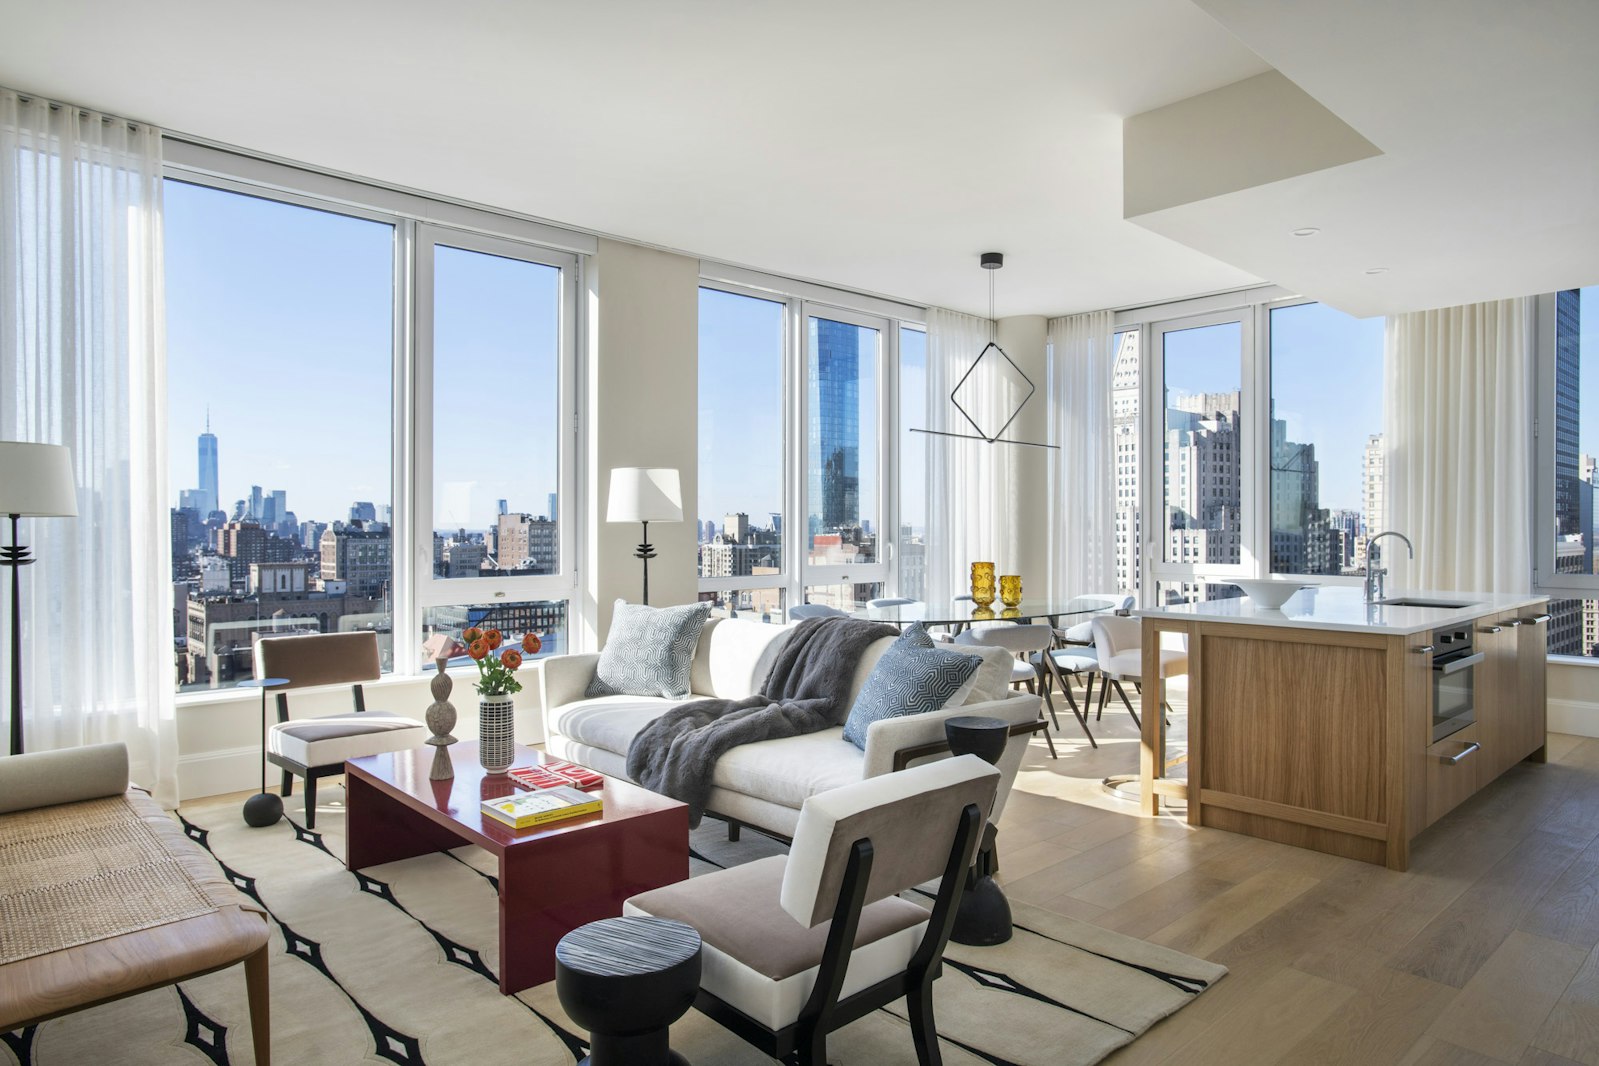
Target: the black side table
(626, 980)
(983, 917)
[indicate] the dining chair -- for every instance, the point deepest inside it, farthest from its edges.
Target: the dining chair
(1118, 649)
(1027, 643)
(906, 612)
(814, 610)
(797, 946)
(316, 748)
(1083, 632)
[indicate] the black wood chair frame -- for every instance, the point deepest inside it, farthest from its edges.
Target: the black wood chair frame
(804, 1043)
(311, 773)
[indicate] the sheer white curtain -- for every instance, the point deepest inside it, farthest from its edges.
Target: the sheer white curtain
(1082, 505)
(972, 485)
(82, 363)
(1458, 435)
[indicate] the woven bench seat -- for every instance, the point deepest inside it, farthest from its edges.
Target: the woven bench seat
(103, 896)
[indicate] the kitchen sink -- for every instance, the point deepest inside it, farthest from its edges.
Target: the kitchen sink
(1440, 604)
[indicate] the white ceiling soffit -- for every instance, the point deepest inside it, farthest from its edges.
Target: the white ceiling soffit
(1486, 117)
(873, 146)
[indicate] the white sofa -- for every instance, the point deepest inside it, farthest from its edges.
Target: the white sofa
(765, 784)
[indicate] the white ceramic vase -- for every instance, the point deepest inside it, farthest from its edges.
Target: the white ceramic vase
(496, 745)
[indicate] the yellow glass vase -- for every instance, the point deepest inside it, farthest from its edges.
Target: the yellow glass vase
(982, 584)
(1010, 589)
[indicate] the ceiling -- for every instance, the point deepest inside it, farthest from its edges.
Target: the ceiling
(882, 146)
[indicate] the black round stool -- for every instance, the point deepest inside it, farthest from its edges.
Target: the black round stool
(626, 980)
(983, 916)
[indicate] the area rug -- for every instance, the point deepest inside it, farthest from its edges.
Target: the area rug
(398, 964)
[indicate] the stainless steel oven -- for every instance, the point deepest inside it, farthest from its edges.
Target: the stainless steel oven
(1454, 680)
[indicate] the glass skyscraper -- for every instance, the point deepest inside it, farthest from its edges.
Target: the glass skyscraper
(208, 470)
(835, 427)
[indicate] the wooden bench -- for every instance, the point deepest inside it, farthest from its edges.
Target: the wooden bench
(68, 818)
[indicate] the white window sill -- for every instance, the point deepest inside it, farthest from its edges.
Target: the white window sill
(462, 676)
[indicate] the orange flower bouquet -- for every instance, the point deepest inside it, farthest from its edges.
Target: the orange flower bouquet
(497, 672)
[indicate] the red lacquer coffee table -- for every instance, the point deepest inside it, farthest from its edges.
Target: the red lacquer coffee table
(553, 878)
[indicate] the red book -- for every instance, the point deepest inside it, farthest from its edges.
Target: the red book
(536, 777)
(578, 776)
(555, 775)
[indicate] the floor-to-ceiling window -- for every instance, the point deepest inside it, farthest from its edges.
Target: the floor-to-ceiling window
(341, 371)
(280, 339)
(489, 324)
(741, 455)
(1326, 448)
(912, 464)
(808, 489)
(1267, 455)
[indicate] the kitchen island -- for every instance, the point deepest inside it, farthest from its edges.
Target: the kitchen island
(1344, 726)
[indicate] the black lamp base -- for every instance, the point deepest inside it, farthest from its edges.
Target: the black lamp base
(263, 809)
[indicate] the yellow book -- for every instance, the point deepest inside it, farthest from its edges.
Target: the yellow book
(546, 805)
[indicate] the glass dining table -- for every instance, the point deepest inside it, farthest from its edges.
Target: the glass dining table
(962, 613)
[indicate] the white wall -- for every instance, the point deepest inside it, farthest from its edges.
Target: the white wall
(642, 409)
(219, 737)
(1574, 699)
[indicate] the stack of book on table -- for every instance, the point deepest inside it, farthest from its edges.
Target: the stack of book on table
(554, 774)
(541, 806)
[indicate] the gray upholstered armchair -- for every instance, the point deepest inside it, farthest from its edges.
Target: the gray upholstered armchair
(798, 946)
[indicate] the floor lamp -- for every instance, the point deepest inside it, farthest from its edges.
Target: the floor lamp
(35, 482)
(645, 494)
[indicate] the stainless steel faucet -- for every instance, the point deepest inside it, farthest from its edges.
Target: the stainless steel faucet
(1375, 573)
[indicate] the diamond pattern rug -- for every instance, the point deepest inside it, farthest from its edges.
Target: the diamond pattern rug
(398, 964)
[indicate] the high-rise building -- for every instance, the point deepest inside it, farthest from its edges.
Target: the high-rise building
(835, 428)
(1300, 531)
(504, 508)
(1373, 476)
(736, 528)
(255, 503)
(362, 511)
(526, 543)
(1124, 437)
(555, 510)
(1574, 548)
(209, 500)
(1568, 371)
(359, 557)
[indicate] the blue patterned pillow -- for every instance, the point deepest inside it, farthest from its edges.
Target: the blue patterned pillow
(649, 650)
(914, 676)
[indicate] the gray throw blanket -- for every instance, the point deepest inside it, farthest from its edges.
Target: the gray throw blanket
(806, 691)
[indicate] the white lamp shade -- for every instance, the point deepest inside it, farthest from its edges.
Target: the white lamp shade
(644, 494)
(36, 480)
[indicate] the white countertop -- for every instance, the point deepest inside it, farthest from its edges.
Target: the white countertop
(1343, 607)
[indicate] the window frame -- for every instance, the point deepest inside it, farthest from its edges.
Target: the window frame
(1545, 579)
(802, 300)
(788, 543)
(1157, 568)
(1252, 309)
(1263, 533)
(414, 218)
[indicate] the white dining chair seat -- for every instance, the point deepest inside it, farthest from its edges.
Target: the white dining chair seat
(1130, 664)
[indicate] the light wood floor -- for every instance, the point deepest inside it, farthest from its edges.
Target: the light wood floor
(1484, 952)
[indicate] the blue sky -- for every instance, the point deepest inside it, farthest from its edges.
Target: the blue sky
(280, 317)
(1326, 372)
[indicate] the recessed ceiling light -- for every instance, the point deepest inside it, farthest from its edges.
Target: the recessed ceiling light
(1306, 231)
(1378, 270)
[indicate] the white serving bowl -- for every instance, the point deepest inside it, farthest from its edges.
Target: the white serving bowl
(1270, 593)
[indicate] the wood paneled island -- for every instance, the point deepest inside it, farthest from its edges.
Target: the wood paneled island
(1313, 724)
